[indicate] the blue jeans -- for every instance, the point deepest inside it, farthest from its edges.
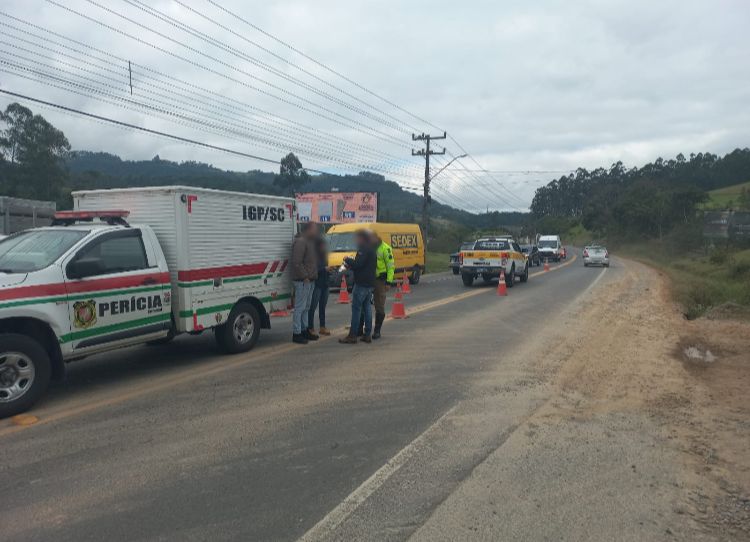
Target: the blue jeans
(361, 304)
(319, 301)
(302, 297)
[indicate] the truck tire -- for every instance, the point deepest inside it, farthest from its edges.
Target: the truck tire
(468, 279)
(416, 274)
(25, 372)
(241, 330)
(510, 278)
(525, 276)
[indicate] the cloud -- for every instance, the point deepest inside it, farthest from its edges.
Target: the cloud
(544, 85)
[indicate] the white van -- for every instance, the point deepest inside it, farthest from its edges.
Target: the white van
(551, 248)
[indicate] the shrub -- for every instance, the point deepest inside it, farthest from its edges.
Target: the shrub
(739, 270)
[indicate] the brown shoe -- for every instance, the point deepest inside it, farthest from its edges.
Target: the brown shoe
(365, 339)
(324, 331)
(349, 339)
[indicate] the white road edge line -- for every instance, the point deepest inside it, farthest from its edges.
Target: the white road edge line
(330, 522)
(338, 515)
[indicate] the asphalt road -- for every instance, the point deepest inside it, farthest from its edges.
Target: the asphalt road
(325, 441)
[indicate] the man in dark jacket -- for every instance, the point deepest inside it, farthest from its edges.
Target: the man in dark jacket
(304, 265)
(363, 266)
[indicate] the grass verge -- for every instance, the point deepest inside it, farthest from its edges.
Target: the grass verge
(701, 282)
(437, 262)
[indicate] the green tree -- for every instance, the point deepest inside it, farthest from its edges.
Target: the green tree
(35, 152)
(291, 175)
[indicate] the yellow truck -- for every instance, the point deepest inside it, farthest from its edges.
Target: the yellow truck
(491, 254)
(405, 239)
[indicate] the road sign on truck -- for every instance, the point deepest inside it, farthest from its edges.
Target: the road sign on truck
(130, 266)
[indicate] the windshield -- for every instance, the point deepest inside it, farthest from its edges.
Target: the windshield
(492, 245)
(342, 242)
(547, 244)
(35, 249)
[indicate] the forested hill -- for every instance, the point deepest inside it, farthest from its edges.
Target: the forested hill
(647, 201)
(90, 170)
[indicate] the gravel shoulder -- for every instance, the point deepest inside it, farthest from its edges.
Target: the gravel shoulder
(642, 434)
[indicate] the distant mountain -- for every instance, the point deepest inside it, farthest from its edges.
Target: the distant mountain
(90, 170)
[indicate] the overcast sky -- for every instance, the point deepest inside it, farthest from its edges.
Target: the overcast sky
(538, 86)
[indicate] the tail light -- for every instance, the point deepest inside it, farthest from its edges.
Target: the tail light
(606, 254)
(585, 253)
(461, 258)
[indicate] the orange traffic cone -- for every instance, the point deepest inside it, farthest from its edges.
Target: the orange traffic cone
(546, 264)
(405, 285)
(343, 293)
(398, 311)
(502, 288)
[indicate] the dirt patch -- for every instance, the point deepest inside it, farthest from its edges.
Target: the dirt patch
(640, 356)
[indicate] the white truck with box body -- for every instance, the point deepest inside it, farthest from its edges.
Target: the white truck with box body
(140, 265)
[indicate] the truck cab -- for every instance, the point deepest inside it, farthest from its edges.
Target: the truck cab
(73, 289)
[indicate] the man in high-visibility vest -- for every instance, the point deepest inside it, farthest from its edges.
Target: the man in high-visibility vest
(384, 270)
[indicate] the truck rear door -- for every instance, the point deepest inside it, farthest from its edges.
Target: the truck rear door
(116, 292)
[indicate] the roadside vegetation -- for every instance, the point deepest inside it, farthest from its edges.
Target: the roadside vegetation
(710, 282)
(655, 214)
(437, 262)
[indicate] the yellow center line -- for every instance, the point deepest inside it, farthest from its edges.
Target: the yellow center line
(227, 363)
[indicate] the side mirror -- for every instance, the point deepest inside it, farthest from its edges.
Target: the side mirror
(85, 267)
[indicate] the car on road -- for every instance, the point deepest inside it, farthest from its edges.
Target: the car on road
(490, 256)
(532, 253)
(595, 255)
(454, 264)
(551, 248)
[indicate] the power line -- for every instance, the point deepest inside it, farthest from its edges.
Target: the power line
(241, 54)
(380, 134)
(286, 61)
(180, 84)
(183, 120)
(320, 64)
(143, 129)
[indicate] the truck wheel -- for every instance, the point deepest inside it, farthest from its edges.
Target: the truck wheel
(467, 278)
(416, 274)
(456, 271)
(510, 278)
(241, 330)
(525, 276)
(25, 371)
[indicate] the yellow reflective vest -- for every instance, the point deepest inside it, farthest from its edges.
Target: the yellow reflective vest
(385, 264)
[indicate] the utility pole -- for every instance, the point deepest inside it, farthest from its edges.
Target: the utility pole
(426, 152)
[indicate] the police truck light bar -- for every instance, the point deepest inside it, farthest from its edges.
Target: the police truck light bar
(90, 215)
(114, 217)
